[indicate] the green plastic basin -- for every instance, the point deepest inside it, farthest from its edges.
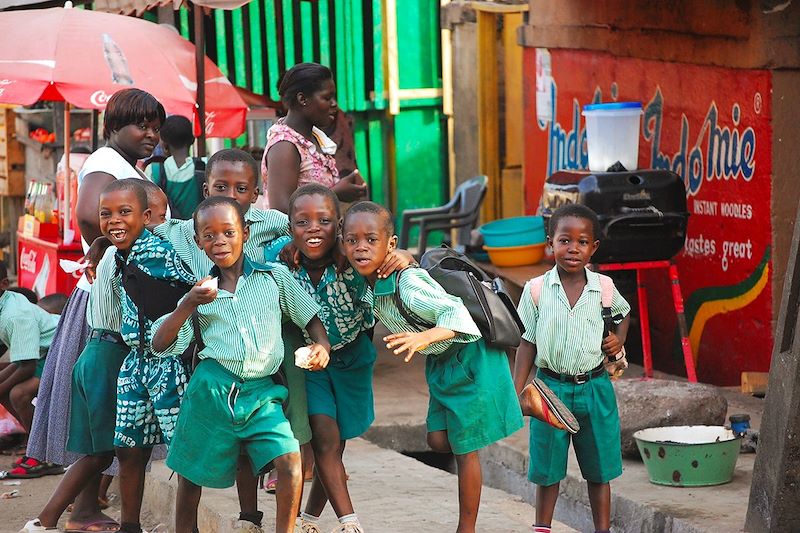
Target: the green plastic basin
(688, 456)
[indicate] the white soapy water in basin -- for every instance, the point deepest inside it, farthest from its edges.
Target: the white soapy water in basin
(685, 434)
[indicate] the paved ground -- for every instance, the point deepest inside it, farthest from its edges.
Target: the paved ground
(394, 493)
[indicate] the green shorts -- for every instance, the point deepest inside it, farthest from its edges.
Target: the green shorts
(39, 367)
(472, 396)
(297, 406)
(94, 397)
(222, 415)
(597, 444)
(343, 390)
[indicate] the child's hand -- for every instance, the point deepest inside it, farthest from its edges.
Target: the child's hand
(93, 256)
(407, 342)
(200, 295)
(611, 345)
(290, 255)
(319, 357)
(395, 261)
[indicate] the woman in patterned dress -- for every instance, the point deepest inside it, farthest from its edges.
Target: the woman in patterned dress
(298, 151)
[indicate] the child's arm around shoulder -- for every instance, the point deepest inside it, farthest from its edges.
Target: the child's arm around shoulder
(173, 333)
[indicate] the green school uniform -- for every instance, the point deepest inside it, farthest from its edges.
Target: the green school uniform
(94, 376)
(181, 185)
(568, 341)
(472, 394)
(25, 328)
(265, 226)
(232, 400)
(342, 390)
(149, 389)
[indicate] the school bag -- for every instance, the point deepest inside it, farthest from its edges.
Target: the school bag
(486, 298)
(616, 367)
(199, 180)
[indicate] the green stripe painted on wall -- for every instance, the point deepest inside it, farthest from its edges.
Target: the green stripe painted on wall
(238, 48)
(256, 52)
(270, 25)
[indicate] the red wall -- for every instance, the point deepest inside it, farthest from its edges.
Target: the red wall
(713, 127)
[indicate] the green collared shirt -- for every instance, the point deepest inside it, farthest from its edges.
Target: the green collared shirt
(568, 339)
(242, 330)
(25, 328)
(339, 295)
(428, 301)
(265, 226)
(105, 305)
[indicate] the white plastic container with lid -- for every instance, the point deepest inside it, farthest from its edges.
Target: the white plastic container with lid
(612, 134)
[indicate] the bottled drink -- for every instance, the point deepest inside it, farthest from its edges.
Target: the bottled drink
(29, 197)
(116, 61)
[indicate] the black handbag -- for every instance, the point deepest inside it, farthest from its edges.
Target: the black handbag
(485, 297)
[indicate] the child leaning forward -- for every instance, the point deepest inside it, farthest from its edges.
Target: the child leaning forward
(233, 401)
(472, 398)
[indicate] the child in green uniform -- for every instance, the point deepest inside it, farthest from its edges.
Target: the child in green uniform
(340, 402)
(564, 337)
(472, 399)
(27, 331)
(94, 389)
(232, 401)
(149, 389)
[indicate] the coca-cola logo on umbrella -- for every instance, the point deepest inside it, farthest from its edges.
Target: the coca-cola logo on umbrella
(99, 98)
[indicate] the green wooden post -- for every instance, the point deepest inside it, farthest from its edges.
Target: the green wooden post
(239, 66)
(379, 100)
(222, 42)
(183, 16)
(256, 52)
(288, 33)
(357, 45)
(324, 34)
(307, 32)
(270, 25)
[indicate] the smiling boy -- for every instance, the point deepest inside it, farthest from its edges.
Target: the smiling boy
(233, 401)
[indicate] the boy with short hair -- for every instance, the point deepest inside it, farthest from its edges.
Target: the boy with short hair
(232, 401)
(149, 389)
(94, 389)
(472, 399)
(27, 330)
(564, 337)
(180, 176)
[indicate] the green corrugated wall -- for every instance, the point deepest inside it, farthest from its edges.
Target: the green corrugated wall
(253, 45)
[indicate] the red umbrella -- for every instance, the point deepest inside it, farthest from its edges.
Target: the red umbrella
(83, 57)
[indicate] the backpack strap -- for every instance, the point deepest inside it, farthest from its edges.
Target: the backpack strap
(536, 289)
(606, 300)
(412, 319)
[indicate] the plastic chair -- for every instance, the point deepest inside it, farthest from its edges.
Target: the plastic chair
(460, 213)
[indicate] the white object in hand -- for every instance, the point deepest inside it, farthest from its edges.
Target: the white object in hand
(212, 283)
(302, 356)
(72, 266)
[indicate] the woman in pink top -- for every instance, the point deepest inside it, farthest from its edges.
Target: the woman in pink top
(298, 151)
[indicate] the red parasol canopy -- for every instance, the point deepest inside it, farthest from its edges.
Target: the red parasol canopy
(83, 57)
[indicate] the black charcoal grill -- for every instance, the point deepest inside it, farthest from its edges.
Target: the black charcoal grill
(642, 214)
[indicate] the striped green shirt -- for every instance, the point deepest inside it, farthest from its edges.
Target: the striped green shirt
(25, 328)
(340, 296)
(568, 339)
(242, 330)
(427, 300)
(105, 305)
(265, 225)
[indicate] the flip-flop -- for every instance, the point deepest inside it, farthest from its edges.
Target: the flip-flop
(271, 486)
(539, 401)
(103, 525)
(31, 468)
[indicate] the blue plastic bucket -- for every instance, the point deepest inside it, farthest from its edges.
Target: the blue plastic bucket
(516, 231)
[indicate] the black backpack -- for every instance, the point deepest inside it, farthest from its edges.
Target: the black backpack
(199, 180)
(486, 298)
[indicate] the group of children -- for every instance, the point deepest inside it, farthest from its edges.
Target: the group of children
(195, 324)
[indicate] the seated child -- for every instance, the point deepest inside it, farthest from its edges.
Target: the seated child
(233, 401)
(340, 402)
(94, 389)
(149, 389)
(564, 336)
(472, 399)
(27, 331)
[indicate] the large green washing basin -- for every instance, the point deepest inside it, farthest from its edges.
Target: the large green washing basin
(688, 456)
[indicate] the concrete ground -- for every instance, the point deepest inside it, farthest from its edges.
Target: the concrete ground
(394, 493)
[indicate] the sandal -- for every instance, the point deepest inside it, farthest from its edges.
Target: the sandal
(539, 401)
(103, 525)
(271, 486)
(32, 468)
